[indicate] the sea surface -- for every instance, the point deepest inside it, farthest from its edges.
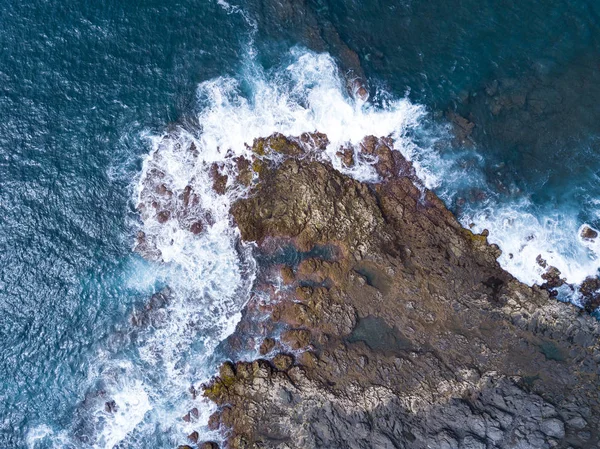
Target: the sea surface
(96, 95)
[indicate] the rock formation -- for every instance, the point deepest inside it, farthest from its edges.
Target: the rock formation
(393, 326)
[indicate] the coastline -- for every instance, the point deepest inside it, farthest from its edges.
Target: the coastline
(404, 329)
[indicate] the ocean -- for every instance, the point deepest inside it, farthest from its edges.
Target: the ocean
(95, 95)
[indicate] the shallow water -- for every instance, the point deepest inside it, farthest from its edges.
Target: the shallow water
(90, 90)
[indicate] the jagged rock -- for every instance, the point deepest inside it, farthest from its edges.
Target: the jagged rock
(296, 338)
(227, 370)
(552, 278)
(314, 141)
(590, 292)
(462, 127)
(553, 427)
(219, 179)
(277, 143)
(347, 156)
(197, 227)
(244, 169)
(540, 261)
(152, 313)
(411, 335)
(283, 362)
(163, 190)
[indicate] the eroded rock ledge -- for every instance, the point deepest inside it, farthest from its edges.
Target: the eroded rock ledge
(408, 334)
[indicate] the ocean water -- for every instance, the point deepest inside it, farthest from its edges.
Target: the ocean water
(96, 95)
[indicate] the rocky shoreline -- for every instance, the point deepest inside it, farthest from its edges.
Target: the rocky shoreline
(387, 324)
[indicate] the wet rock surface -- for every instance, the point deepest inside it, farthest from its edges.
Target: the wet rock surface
(409, 336)
(588, 233)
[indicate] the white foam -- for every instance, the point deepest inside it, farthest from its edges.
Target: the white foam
(133, 402)
(38, 434)
(306, 96)
(524, 233)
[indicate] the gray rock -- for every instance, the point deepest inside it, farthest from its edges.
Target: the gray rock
(553, 427)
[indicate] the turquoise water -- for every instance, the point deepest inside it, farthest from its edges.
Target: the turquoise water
(86, 88)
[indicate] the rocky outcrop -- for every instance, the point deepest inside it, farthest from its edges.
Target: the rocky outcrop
(395, 327)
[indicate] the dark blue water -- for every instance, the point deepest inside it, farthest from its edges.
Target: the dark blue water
(83, 83)
(80, 82)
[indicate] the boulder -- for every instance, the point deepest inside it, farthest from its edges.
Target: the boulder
(588, 233)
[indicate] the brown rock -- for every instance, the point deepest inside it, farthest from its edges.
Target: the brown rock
(314, 141)
(276, 143)
(219, 180)
(590, 292)
(244, 170)
(296, 338)
(308, 359)
(552, 278)
(187, 191)
(347, 156)
(163, 190)
(193, 437)
(266, 346)
(588, 233)
(287, 275)
(197, 227)
(283, 362)
(163, 216)
(214, 421)
(227, 371)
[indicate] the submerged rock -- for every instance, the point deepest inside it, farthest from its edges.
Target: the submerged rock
(461, 128)
(410, 336)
